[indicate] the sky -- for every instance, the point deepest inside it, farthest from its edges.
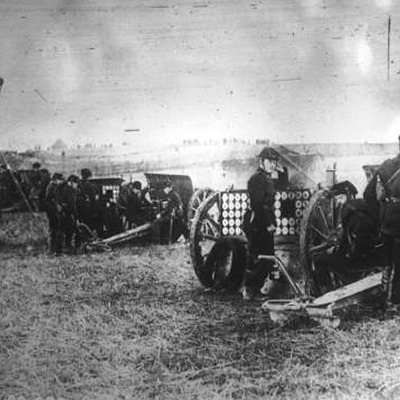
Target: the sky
(152, 72)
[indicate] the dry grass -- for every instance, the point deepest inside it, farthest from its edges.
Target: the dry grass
(23, 231)
(135, 324)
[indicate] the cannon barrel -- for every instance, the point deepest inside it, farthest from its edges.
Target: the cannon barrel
(131, 234)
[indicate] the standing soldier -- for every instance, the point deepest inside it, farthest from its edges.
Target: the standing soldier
(87, 200)
(67, 215)
(170, 218)
(383, 195)
(109, 215)
(51, 208)
(35, 189)
(259, 222)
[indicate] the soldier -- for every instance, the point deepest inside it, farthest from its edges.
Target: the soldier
(131, 203)
(36, 187)
(67, 215)
(109, 215)
(87, 201)
(51, 208)
(259, 222)
(136, 205)
(170, 218)
(383, 196)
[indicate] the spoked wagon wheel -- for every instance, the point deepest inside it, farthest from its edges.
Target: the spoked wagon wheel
(218, 262)
(320, 241)
(195, 201)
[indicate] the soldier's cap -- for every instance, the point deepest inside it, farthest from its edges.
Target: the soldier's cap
(269, 153)
(137, 185)
(345, 187)
(58, 176)
(36, 165)
(167, 183)
(86, 173)
(73, 178)
(3, 166)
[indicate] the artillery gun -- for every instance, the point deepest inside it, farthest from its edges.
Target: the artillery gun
(327, 248)
(181, 183)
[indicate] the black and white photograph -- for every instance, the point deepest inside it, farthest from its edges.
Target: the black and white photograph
(199, 199)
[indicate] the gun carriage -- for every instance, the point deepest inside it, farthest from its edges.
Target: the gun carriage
(181, 183)
(336, 258)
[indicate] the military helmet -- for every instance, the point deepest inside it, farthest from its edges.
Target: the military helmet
(36, 165)
(269, 153)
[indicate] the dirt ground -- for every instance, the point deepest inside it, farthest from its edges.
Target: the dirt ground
(136, 324)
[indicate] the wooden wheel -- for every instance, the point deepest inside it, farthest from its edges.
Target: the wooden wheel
(320, 241)
(198, 197)
(204, 232)
(219, 262)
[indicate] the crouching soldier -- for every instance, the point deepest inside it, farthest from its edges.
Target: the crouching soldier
(67, 215)
(169, 221)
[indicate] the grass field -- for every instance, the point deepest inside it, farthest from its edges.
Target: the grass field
(136, 324)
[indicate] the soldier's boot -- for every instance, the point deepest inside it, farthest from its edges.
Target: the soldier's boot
(246, 288)
(58, 243)
(68, 244)
(53, 243)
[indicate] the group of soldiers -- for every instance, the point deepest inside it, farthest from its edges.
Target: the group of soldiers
(381, 199)
(77, 211)
(69, 203)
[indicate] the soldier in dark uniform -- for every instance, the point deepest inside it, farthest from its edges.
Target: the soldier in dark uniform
(260, 222)
(87, 201)
(109, 215)
(51, 208)
(36, 188)
(169, 221)
(67, 214)
(135, 209)
(383, 196)
(132, 204)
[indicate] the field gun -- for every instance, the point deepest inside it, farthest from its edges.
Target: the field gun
(330, 237)
(155, 181)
